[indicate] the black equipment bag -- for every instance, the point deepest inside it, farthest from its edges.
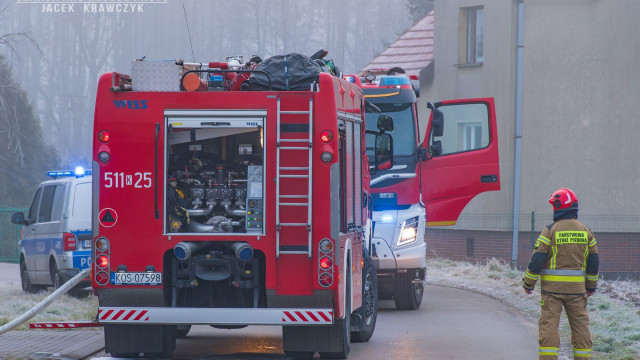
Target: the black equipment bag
(291, 72)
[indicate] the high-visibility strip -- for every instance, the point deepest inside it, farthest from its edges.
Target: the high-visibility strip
(592, 242)
(592, 277)
(531, 276)
(582, 353)
(548, 351)
(215, 316)
(441, 223)
(544, 240)
(554, 249)
(562, 272)
(382, 95)
(561, 278)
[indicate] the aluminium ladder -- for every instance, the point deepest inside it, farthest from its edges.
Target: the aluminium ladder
(294, 175)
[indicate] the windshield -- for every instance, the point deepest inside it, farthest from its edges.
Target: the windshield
(404, 139)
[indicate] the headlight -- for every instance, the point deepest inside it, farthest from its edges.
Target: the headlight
(409, 231)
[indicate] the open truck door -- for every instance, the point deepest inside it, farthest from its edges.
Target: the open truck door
(459, 157)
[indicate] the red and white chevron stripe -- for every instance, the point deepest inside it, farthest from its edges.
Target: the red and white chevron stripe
(123, 315)
(307, 316)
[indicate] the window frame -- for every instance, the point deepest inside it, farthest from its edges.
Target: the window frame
(471, 36)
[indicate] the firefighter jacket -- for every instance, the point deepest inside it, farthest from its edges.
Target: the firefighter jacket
(565, 259)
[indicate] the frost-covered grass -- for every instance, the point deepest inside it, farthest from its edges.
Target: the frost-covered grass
(614, 310)
(14, 302)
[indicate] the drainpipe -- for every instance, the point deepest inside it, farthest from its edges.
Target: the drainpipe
(516, 175)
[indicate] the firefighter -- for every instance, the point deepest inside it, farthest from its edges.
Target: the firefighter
(565, 258)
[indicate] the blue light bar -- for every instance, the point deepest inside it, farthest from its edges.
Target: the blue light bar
(78, 172)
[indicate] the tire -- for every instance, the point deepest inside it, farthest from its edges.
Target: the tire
(169, 334)
(299, 354)
(343, 326)
(182, 331)
(27, 286)
(368, 313)
(408, 295)
(56, 278)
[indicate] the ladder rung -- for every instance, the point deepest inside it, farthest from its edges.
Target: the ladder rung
(294, 204)
(294, 112)
(294, 148)
(294, 168)
(289, 252)
(294, 196)
(294, 224)
(293, 140)
(295, 176)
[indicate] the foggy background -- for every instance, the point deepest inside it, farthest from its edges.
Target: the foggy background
(51, 62)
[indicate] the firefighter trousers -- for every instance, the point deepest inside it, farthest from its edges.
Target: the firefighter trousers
(549, 339)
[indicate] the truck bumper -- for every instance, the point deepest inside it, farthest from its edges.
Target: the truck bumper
(214, 316)
(388, 254)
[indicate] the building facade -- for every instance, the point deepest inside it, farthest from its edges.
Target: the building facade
(563, 75)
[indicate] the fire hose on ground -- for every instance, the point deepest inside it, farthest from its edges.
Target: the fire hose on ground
(46, 302)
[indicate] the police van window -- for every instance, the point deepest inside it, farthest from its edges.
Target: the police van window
(33, 210)
(58, 202)
(44, 214)
(466, 128)
(82, 202)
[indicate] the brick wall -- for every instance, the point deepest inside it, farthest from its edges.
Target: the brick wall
(619, 252)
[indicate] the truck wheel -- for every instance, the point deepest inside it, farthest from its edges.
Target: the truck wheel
(27, 286)
(169, 334)
(343, 326)
(368, 313)
(408, 295)
(182, 331)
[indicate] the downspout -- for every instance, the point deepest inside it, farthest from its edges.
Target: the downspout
(516, 175)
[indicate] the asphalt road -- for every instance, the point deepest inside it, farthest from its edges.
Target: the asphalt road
(451, 324)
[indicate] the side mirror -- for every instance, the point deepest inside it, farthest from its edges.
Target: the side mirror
(18, 219)
(436, 148)
(437, 120)
(384, 151)
(385, 123)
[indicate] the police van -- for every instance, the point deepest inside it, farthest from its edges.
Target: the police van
(55, 241)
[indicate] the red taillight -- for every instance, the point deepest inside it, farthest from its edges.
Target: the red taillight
(68, 242)
(102, 261)
(326, 136)
(104, 136)
(326, 262)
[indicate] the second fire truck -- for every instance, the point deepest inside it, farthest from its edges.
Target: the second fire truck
(427, 183)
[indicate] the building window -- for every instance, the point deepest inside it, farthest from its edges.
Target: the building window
(471, 136)
(471, 50)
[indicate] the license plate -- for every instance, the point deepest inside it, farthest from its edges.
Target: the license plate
(133, 278)
(86, 244)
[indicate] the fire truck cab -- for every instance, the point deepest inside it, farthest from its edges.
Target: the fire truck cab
(427, 183)
(230, 208)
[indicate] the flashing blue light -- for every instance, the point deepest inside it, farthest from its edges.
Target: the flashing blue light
(387, 218)
(79, 171)
(350, 79)
(215, 78)
(394, 80)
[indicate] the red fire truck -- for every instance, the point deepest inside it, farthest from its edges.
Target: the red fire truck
(426, 184)
(218, 206)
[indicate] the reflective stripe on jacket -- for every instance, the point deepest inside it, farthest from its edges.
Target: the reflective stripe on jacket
(566, 246)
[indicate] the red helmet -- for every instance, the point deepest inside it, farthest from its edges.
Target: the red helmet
(563, 199)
